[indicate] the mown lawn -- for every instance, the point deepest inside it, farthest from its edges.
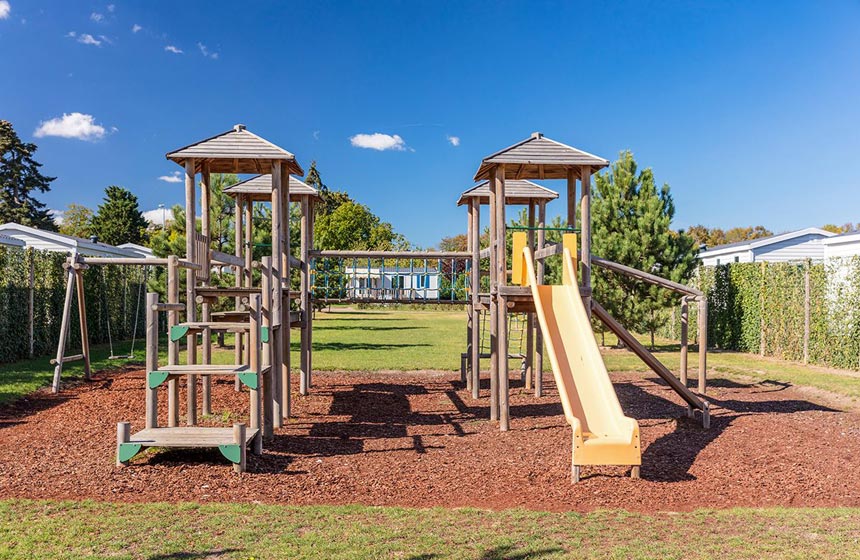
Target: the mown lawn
(40, 529)
(374, 340)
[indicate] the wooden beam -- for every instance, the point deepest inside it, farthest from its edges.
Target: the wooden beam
(571, 198)
(646, 277)
(205, 227)
(476, 288)
(494, 306)
(502, 311)
(540, 271)
(190, 284)
(652, 362)
(585, 215)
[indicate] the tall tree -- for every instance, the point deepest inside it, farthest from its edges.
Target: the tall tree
(19, 179)
(352, 226)
(119, 219)
(221, 210)
(77, 221)
(632, 220)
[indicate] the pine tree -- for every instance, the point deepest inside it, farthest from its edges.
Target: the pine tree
(631, 225)
(119, 219)
(19, 177)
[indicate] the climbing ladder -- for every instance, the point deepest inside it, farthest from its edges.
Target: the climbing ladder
(231, 442)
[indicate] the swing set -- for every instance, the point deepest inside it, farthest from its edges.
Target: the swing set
(75, 266)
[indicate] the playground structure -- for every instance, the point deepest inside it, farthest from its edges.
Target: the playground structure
(265, 309)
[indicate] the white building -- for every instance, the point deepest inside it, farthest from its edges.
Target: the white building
(30, 237)
(844, 245)
(794, 246)
(393, 283)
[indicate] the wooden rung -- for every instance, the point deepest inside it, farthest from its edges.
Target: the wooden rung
(67, 359)
(205, 369)
(188, 437)
(216, 326)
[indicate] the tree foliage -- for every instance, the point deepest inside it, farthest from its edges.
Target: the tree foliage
(631, 225)
(713, 237)
(20, 178)
(119, 219)
(77, 221)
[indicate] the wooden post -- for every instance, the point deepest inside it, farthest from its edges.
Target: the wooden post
(266, 356)
(123, 435)
(285, 363)
(172, 346)
(206, 312)
(762, 339)
(502, 312)
(310, 322)
(239, 272)
(530, 317)
(806, 305)
(304, 248)
(82, 317)
(539, 273)
(494, 307)
(476, 289)
(685, 319)
(255, 352)
(571, 197)
(249, 259)
(31, 303)
(703, 343)
(239, 437)
(64, 325)
(465, 372)
(190, 282)
(585, 215)
(151, 359)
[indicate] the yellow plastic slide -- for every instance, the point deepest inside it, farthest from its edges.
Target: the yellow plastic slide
(602, 435)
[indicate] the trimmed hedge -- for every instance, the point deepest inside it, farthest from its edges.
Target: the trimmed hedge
(111, 294)
(760, 307)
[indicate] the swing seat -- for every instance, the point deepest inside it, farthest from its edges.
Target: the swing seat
(121, 357)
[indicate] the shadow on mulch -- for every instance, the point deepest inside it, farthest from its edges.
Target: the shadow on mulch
(192, 555)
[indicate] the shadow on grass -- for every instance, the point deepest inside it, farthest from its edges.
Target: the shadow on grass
(325, 327)
(340, 346)
(509, 552)
(191, 555)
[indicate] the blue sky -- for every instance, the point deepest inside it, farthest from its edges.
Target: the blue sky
(749, 110)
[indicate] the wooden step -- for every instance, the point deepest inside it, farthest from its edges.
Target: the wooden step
(187, 437)
(207, 369)
(229, 316)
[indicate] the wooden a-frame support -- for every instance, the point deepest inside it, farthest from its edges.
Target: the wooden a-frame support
(74, 284)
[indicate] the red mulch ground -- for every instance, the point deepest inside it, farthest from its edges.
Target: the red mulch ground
(418, 439)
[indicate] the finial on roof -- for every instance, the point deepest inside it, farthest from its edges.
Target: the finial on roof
(239, 127)
(537, 135)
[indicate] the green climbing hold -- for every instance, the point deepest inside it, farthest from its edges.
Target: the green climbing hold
(232, 452)
(264, 335)
(248, 379)
(127, 451)
(177, 332)
(156, 378)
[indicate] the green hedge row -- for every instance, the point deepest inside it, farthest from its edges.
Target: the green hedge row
(111, 294)
(761, 307)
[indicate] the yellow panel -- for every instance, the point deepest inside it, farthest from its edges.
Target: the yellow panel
(602, 435)
(518, 269)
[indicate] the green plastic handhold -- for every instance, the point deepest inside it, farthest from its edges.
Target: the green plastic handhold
(127, 451)
(177, 332)
(248, 379)
(264, 335)
(156, 378)
(232, 452)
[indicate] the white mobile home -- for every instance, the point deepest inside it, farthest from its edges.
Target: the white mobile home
(793, 246)
(392, 283)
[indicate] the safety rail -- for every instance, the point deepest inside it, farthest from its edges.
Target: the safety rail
(437, 277)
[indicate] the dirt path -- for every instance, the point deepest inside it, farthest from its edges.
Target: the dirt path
(416, 439)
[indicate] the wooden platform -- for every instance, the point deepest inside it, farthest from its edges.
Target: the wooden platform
(225, 326)
(211, 369)
(188, 437)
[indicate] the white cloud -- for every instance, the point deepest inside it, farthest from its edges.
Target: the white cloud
(71, 34)
(71, 125)
(111, 8)
(174, 50)
(378, 141)
(135, 28)
(316, 134)
(158, 216)
(204, 50)
(86, 39)
(5, 8)
(57, 215)
(454, 140)
(174, 177)
(97, 17)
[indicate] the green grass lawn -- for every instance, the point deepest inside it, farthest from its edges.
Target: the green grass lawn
(38, 529)
(374, 340)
